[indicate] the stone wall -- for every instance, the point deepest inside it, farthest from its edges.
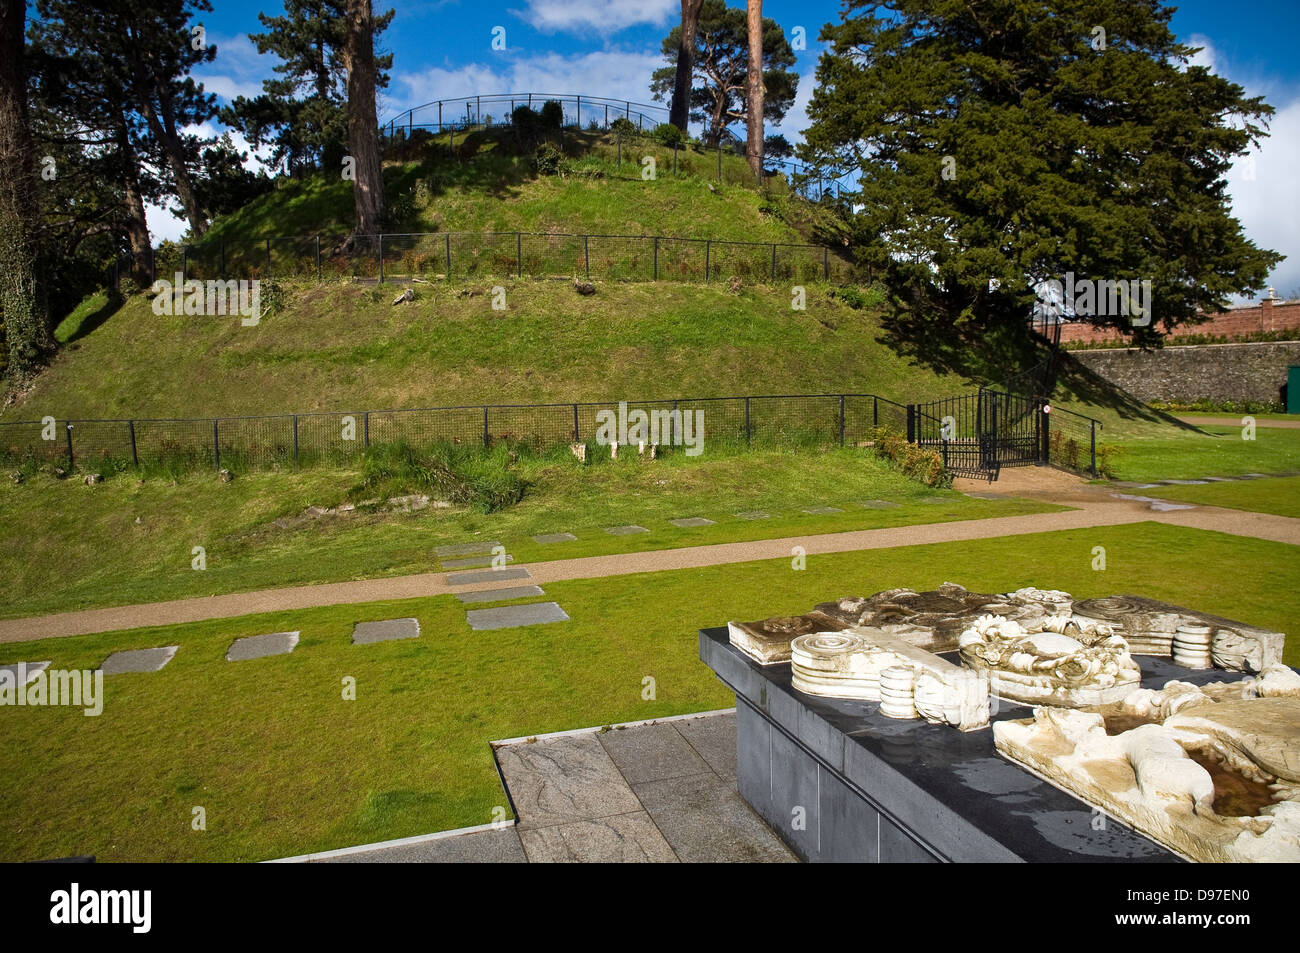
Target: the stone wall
(1239, 372)
(1268, 315)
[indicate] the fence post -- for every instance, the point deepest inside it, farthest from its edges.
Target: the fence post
(381, 258)
(295, 440)
(586, 257)
(774, 261)
(519, 253)
(579, 116)
(656, 266)
(719, 160)
(841, 420)
(1092, 429)
(672, 426)
(575, 423)
(448, 237)
(619, 138)
(135, 457)
(365, 424)
(216, 444)
(67, 429)
(318, 258)
(486, 439)
(708, 247)
(747, 421)
(911, 423)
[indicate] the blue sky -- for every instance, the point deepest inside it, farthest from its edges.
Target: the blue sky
(443, 49)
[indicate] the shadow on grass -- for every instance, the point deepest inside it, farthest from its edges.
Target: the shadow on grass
(96, 318)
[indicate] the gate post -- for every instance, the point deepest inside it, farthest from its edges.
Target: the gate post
(841, 420)
(911, 423)
(1092, 428)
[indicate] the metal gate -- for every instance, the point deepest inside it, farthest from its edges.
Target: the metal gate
(978, 434)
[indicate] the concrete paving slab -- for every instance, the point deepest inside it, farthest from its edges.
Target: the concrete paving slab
(481, 548)
(554, 538)
(365, 633)
(625, 530)
(260, 646)
(822, 510)
(480, 847)
(23, 671)
(879, 504)
(1187, 482)
(512, 617)
(562, 780)
(704, 820)
(753, 515)
(651, 752)
(138, 660)
(487, 575)
(977, 495)
(500, 595)
(1217, 479)
(933, 499)
(692, 521)
(714, 738)
(622, 839)
(473, 562)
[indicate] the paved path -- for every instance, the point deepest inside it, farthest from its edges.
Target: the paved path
(1094, 506)
(661, 792)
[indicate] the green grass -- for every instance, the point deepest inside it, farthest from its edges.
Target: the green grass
(1280, 496)
(1218, 451)
(67, 546)
(282, 765)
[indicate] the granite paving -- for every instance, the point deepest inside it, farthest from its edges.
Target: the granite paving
(473, 562)
(554, 538)
(138, 660)
(823, 510)
(692, 521)
(500, 595)
(483, 548)
(477, 576)
(510, 617)
(260, 646)
(366, 633)
(753, 515)
(625, 530)
(29, 671)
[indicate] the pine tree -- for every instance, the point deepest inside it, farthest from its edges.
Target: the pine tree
(680, 107)
(363, 119)
(1008, 143)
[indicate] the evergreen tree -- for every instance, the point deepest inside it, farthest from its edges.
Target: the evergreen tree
(1013, 142)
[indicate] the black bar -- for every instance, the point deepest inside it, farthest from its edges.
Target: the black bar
(575, 423)
(656, 269)
(519, 252)
(67, 429)
(135, 457)
(875, 411)
(1092, 428)
(707, 248)
(295, 440)
(486, 439)
(366, 425)
(216, 444)
(318, 258)
(746, 421)
(911, 423)
(774, 261)
(586, 257)
(841, 420)
(449, 256)
(381, 258)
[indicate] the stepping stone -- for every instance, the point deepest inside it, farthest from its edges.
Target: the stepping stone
(1131, 485)
(753, 515)
(1164, 506)
(976, 495)
(483, 548)
(625, 530)
(364, 633)
(1218, 479)
(138, 660)
(259, 646)
(1187, 482)
(487, 575)
(1254, 476)
(692, 521)
(475, 562)
(822, 510)
(879, 504)
(510, 617)
(500, 595)
(554, 538)
(932, 499)
(23, 670)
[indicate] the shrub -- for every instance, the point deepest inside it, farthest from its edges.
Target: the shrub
(669, 135)
(551, 118)
(623, 126)
(918, 463)
(548, 159)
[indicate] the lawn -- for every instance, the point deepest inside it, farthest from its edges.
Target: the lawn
(1218, 451)
(1279, 496)
(68, 546)
(283, 765)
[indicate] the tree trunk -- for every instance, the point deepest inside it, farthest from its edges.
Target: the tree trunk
(680, 112)
(22, 297)
(754, 87)
(137, 227)
(363, 121)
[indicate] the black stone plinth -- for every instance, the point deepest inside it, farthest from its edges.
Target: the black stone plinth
(838, 781)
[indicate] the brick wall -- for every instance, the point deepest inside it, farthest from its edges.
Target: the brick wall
(1239, 372)
(1268, 315)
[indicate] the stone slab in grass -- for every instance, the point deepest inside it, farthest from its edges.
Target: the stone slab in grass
(554, 538)
(692, 521)
(625, 530)
(822, 510)
(475, 562)
(25, 671)
(1254, 476)
(932, 499)
(1219, 479)
(138, 660)
(979, 495)
(364, 633)
(483, 548)
(511, 617)
(1187, 482)
(753, 515)
(487, 575)
(1132, 485)
(879, 504)
(260, 646)
(500, 595)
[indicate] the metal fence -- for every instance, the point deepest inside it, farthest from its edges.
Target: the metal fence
(471, 255)
(299, 439)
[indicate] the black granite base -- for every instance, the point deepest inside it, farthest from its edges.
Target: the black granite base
(838, 781)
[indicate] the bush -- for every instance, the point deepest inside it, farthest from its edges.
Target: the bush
(460, 474)
(623, 126)
(669, 135)
(551, 118)
(924, 466)
(548, 159)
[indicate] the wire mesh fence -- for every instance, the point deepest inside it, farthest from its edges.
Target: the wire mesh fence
(287, 440)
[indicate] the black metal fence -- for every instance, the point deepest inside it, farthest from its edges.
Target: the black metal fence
(471, 255)
(298, 439)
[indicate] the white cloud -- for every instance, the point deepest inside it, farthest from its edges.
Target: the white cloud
(1265, 195)
(550, 16)
(1207, 56)
(237, 70)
